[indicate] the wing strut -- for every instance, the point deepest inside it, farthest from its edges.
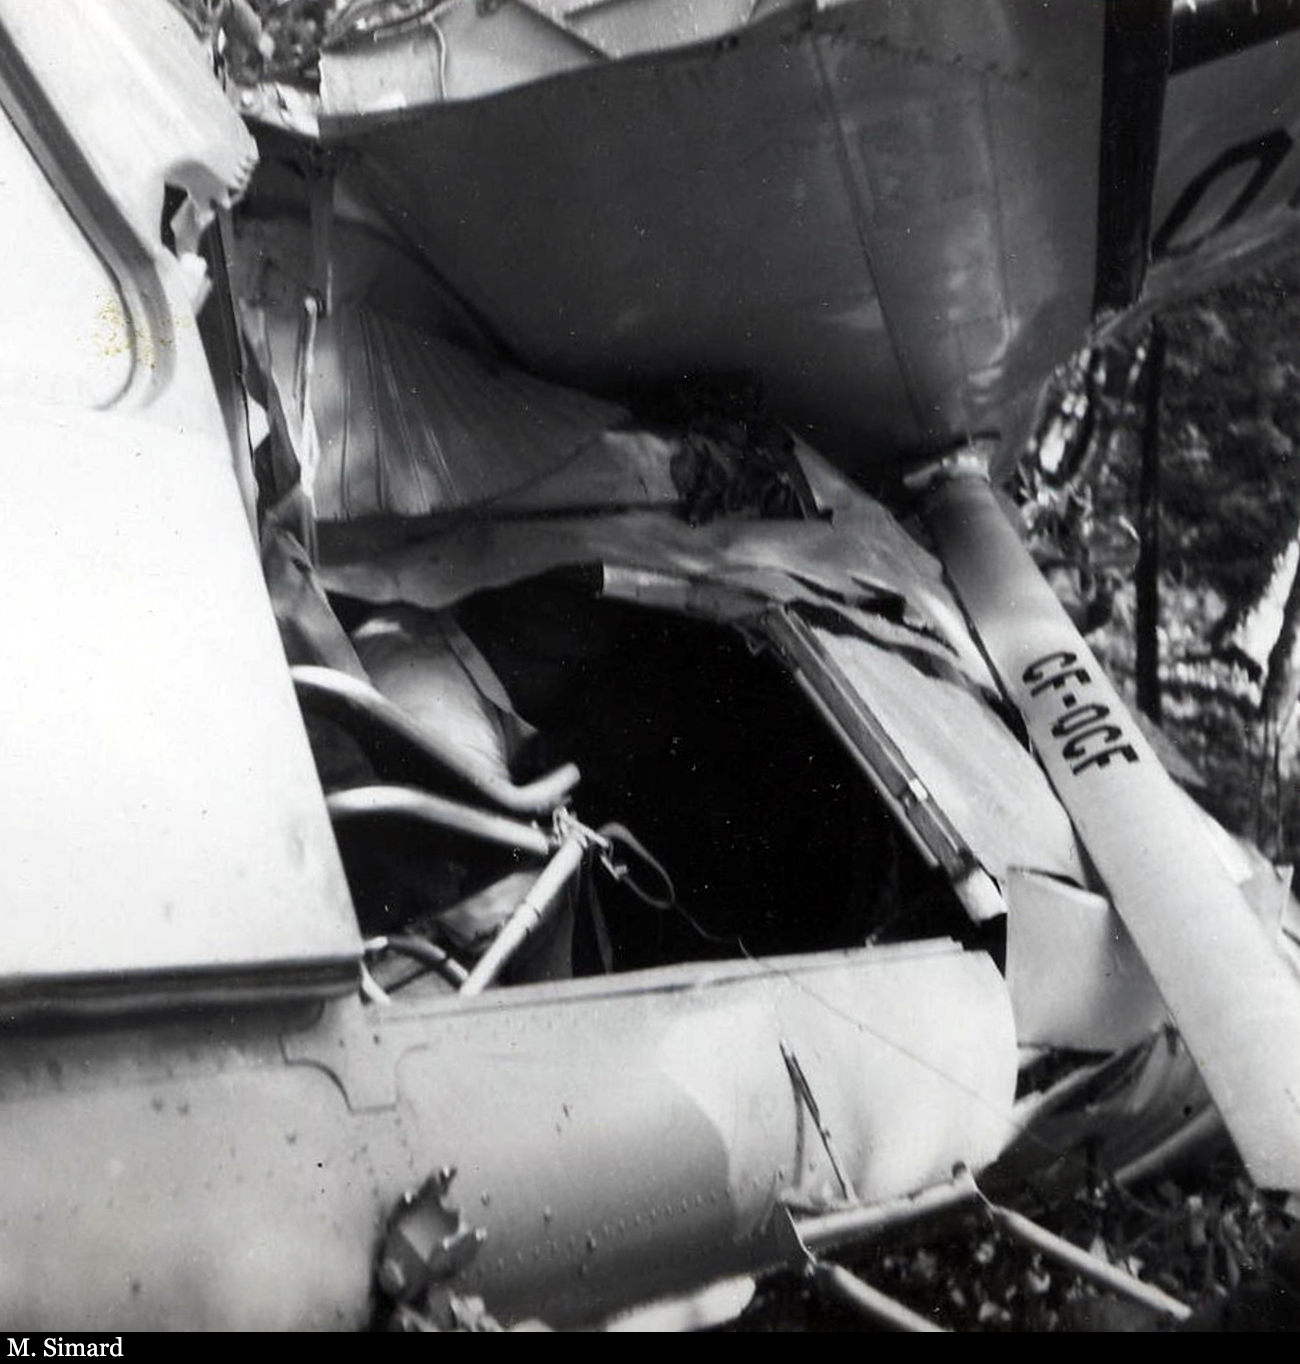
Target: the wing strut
(1233, 997)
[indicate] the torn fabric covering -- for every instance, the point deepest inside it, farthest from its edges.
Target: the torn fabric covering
(1102, 1120)
(324, 245)
(616, 470)
(409, 423)
(309, 629)
(1107, 1001)
(859, 564)
(427, 665)
(781, 561)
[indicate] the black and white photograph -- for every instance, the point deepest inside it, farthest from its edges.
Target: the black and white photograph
(650, 668)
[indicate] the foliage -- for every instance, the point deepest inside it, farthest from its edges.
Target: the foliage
(1230, 423)
(1229, 454)
(282, 40)
(1198, 1238)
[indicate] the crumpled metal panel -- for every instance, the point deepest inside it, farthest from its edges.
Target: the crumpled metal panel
(662, 1162)
(1105, 1001)
(860, 566)
(235, 1173)
(658, 1162)
(409, 423)
(887, 211)
(1101, 1120)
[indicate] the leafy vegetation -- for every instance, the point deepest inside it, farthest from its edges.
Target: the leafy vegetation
(1210, 1240)
(1229, 511)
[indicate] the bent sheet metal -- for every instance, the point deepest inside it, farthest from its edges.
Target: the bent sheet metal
(675, 811)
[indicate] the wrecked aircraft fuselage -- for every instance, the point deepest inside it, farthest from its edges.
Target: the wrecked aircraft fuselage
(654, 865)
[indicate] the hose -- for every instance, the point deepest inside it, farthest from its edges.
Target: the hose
(341, 696)
(362, 801)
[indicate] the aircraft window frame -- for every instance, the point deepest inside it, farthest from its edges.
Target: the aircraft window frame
(72, 343)
(127, 261)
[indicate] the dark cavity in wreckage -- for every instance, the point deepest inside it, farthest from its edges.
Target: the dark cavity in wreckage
(688, 837)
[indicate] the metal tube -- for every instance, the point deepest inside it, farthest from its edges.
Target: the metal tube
(804, 1090)
(852, 1226)
(430, 954)
(533, 910)
(836, 1282)
(333, 690)
(412, 803)
(1089, 1266)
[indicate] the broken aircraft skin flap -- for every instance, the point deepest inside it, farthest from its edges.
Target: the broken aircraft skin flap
(855, 561)
(655, 1165)
(1107, 1002)
(411, 424)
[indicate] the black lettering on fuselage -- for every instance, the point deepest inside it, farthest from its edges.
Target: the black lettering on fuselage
(1093, 735)
(1267, 151)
